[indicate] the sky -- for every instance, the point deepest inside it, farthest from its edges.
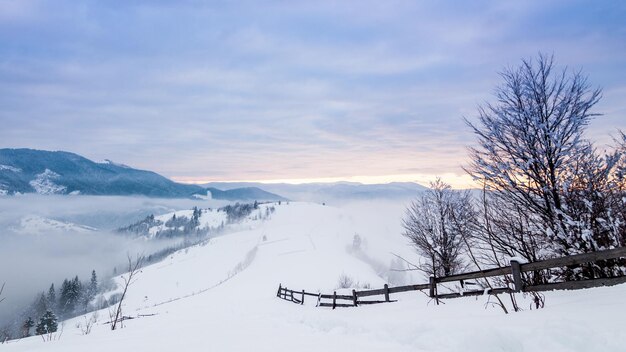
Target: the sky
(368, 91)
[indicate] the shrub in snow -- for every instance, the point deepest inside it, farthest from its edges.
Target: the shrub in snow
(345, 281)
(356, 242)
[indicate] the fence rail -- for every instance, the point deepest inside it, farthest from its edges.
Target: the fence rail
(515, 270)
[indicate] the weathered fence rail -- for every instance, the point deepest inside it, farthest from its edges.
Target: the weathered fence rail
(294, 296)
(514, 271)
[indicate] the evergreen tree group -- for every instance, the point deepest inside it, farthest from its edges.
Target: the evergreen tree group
(70, 295)
(74, 297)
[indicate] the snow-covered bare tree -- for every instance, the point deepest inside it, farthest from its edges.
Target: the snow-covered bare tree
(592, 205)
(438, 224)
(618, 187)
(531, 138)
(548, 190)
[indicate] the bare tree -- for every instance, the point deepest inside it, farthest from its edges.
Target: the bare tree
(505, 230)
(436, 224)
(1, 290)
(129, 279)
(89, 323)
(547, 189)
(531, 150)
(530, 139)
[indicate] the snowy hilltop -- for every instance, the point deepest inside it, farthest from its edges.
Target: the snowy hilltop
(200, 221)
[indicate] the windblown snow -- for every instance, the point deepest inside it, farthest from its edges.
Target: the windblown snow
(221, 296)
(44, 183)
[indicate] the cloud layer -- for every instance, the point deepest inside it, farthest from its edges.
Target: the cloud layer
(283, 90)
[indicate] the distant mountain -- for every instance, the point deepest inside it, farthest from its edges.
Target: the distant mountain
(321, 192)
(58, 172)
(245, 194)
(46, 172)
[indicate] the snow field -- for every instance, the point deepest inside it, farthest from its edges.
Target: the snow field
(307, 247)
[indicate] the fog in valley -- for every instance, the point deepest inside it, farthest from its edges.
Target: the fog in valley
(46, 239)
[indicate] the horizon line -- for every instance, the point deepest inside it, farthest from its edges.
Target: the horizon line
(454, 180)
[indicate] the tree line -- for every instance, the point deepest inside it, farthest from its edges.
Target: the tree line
(183, 226)
(176, 226)
(73, 298)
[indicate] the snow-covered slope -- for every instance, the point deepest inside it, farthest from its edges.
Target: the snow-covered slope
(210, 218)
(201, 221)
(43, 183)
(33, 224)
(222, 297)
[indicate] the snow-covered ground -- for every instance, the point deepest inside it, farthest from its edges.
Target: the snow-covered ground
(222, 297)
(38, 225)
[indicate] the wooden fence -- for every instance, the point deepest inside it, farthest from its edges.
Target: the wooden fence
(515, 270)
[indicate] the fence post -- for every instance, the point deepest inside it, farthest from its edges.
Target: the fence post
(319, 299)
(302, 301)
(386, 293)
(354, 300)
(334, 299)
(279, 288)
(292, 296)
(433, 289)
(517, 275)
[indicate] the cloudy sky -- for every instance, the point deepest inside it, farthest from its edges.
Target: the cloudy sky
(283, 90)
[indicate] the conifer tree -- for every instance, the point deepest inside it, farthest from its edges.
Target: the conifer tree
(92, 289)
(47, 324)
(70, 296)
(65, 297)
(76, 293)
(40, 305)
(52, 298)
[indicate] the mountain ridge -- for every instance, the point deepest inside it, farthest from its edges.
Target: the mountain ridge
(322, 192)
(244, 193)
(60, 172)
(25, 170)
